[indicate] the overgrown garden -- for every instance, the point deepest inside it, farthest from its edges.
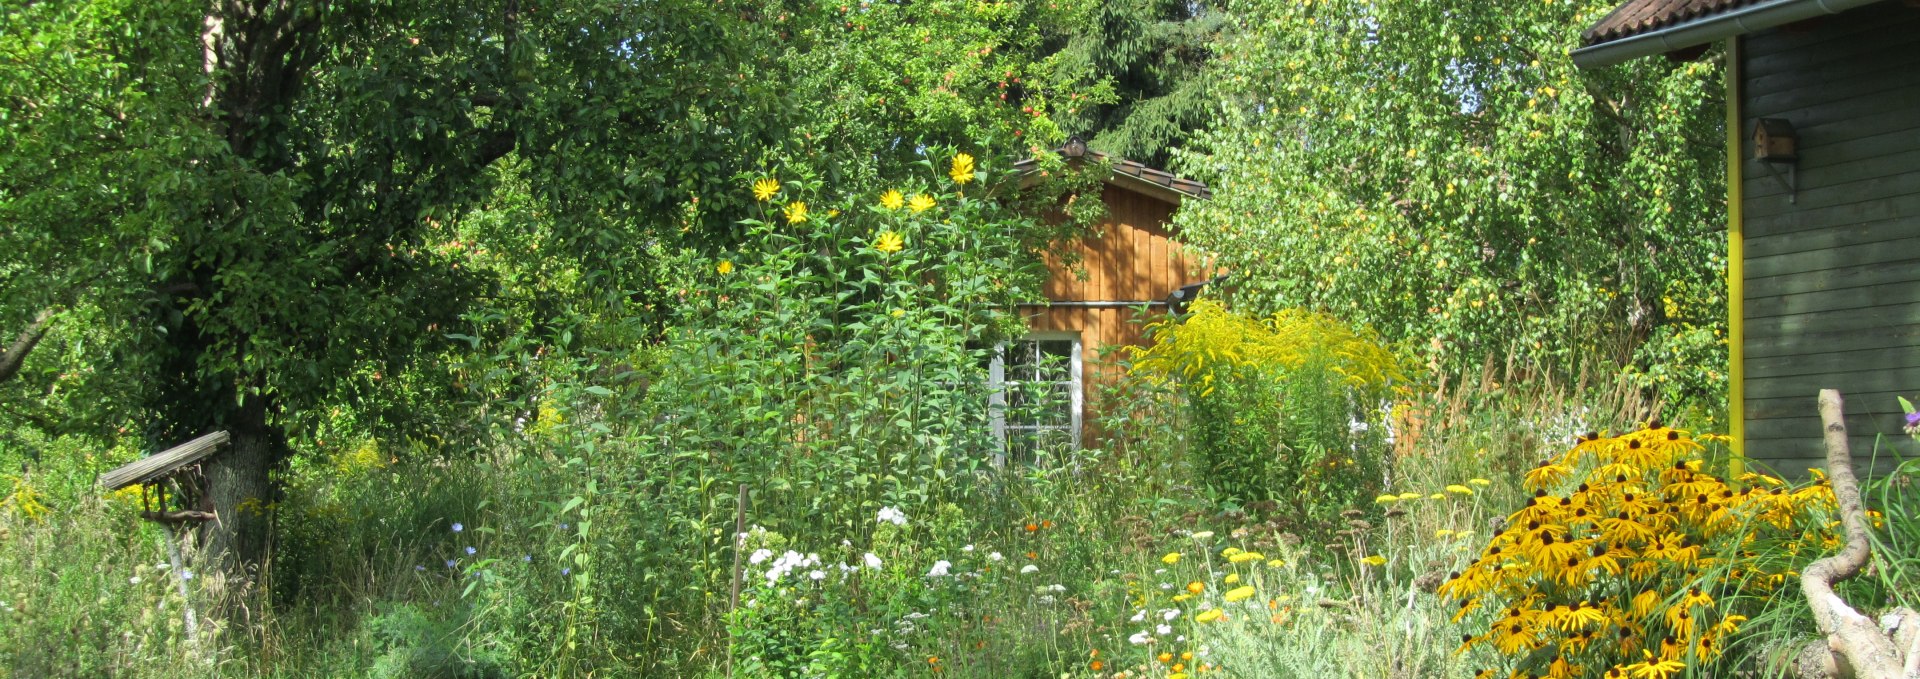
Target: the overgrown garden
(608, 338)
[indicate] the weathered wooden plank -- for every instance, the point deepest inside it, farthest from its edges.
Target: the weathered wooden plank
(1829, 279)
(1872, 319)
(158, 465)
(1861, 425)
(1842, 164)
(1796, 406)
(1866, 380)
(1883, 209)
(1162, 267)
(1831, 237)
(1894, 251)
(1833, 300)
(1861, 32)
(1833, 340)
(1832, 361)
(1892, 183)
(1866, 90)
(1890, 60)
(1883, 176)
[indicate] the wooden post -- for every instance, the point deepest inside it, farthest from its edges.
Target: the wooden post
(179, 574)
(739, 543)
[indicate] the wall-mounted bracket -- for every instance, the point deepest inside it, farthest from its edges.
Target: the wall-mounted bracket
(1791, 180)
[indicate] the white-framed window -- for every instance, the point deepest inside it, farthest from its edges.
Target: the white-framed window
(1035, 395)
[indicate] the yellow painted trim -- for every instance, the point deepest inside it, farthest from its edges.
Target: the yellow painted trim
(1736, 271)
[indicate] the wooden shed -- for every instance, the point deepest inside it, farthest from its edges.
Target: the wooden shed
(1129, 262)
(1823, 239)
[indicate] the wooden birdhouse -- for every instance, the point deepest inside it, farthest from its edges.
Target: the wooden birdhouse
(1774, 141)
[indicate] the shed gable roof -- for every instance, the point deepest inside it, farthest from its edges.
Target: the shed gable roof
(1136, 176)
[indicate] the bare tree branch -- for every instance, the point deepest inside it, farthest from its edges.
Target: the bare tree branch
(1853, 638)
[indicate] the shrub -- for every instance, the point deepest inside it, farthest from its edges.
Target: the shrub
(1283, 409)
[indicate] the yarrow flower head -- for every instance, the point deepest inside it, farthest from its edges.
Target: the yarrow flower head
(873, 562)
(893, 516)
(1029, 568)
(939, 569)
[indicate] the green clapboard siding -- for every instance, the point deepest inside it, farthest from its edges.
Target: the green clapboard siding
(1832, 276)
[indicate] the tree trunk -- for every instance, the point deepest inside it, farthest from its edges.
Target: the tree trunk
(15, 354)
(240, 483)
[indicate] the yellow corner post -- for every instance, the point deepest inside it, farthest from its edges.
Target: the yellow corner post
(1736, 273)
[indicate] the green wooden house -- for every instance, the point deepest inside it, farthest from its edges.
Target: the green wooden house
(1823, 165)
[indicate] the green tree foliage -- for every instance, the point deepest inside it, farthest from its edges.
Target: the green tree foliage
(1444, 174)
(1141, 63)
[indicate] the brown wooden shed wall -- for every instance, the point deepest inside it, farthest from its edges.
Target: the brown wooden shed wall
(1832, 278)
(1130, 257)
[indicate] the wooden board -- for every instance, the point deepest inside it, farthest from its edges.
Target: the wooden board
(159, 465)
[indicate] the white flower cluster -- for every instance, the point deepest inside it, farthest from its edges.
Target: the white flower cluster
(893, 516)
(939, 569)
(787, 563)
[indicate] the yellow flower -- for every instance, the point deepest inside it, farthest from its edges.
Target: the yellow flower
(889, 242)
(1409, 496)
(796, 212)
(1196, 587)
(1480, 482)
(892, 199)
(724, 267)
(1443, 533)
(962, 171)
(764, 189)
(1171, 558)
(1375, 560)
(921, 202)
(1208, 615)
(1437, 496)
(1244, 557)
(1457, 488)
(1276, 563)
(1384, 499)
(1239, 593)
(1231, 578)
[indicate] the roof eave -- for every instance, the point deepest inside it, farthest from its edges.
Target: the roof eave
(1708, 29)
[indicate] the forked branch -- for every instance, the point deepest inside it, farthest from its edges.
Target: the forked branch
(1856, 643)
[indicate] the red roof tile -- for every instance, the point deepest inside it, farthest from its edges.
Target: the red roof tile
(1643, 16)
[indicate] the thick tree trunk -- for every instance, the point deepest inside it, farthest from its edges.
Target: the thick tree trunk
(241, 486)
